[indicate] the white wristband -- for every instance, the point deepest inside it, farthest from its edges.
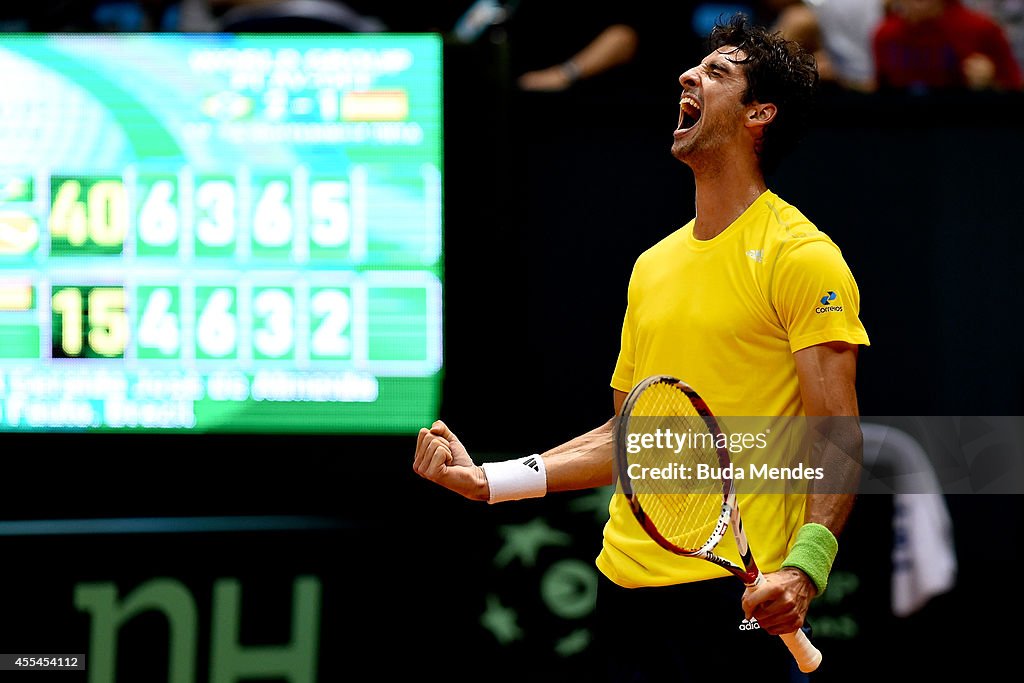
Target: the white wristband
(516, 479)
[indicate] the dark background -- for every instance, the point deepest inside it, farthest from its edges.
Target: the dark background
(549, 198)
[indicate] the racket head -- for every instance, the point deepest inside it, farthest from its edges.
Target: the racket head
(686, 516)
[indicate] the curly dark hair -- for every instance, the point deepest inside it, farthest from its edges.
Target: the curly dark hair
(779, 71)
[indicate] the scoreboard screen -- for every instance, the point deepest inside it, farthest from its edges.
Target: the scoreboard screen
(220, 233)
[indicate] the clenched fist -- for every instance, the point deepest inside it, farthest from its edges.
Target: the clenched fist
(441, 458)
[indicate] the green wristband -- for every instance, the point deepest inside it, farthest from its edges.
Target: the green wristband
(813, 553)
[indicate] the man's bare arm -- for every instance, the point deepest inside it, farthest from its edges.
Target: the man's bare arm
(615, 45)
(586, 461)
(827, 374)
(827, 385)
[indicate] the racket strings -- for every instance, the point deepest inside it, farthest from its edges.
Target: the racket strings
(684, 507)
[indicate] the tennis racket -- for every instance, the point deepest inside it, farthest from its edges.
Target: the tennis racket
(687, 516)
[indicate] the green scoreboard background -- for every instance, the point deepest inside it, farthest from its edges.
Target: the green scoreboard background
(220, 233)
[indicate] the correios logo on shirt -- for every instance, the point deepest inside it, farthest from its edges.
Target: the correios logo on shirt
(828, 304)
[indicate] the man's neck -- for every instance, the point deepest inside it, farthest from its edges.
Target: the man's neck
(723, 194)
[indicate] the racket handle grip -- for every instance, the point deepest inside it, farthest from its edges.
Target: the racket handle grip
(806, 655)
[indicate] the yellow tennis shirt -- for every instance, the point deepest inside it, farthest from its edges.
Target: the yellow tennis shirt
(726, 315)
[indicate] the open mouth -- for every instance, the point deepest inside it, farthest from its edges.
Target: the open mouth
(689, 113)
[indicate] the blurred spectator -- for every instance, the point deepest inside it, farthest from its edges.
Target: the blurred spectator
(927, 45)
(1010, 15)
(614, 45)
(554, 45)
(839, 33)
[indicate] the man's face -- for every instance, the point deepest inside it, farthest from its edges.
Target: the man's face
(711, 110)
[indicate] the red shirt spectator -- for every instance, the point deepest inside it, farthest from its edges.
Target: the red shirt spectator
(940, 44)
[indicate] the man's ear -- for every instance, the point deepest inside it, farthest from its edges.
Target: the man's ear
(759, 115)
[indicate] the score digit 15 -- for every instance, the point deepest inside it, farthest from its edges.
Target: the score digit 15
(88, 322)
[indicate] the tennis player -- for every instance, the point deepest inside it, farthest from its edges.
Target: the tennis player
(757, 309)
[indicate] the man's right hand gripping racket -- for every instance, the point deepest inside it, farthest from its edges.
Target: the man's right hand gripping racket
(688, 516)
